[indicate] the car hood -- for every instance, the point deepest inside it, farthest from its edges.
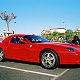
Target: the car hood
(60, 44)
(54, 43)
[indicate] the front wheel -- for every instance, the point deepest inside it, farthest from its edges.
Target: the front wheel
(2, 55)
(49, 59)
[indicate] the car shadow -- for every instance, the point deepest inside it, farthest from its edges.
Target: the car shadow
(23, 62)
(62, 66)
(71, 66)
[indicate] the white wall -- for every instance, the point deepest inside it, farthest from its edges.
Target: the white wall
(58, 30)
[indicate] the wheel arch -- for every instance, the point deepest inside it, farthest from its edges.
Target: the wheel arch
(2, 57)
(48, 49)
(1, 48)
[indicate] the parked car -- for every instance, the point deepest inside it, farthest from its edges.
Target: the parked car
(37, 49)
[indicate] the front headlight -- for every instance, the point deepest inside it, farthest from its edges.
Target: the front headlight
(70, 49)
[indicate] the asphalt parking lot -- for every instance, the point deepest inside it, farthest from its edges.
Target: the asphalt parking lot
(20, 70)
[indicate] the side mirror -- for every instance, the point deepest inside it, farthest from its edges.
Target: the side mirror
(22, 41)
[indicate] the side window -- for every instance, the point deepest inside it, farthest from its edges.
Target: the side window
(13, 40)
(16, 40)
(23, 42)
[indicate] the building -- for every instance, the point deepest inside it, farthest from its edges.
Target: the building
(78, 29)
(45, 32)
(2, 37)
(7, 33)
(60, 30)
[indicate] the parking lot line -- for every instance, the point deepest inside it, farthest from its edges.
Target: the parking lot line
(46, 74)
(60, 74)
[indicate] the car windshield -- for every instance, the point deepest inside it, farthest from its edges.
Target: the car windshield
(35, 39)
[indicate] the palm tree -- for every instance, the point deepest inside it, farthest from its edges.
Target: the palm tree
(7, 17)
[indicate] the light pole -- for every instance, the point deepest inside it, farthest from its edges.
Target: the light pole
(15, 27)
(65, 29)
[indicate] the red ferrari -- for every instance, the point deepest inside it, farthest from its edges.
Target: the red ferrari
(37, 49)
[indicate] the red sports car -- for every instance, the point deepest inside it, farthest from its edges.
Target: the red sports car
(37, 49)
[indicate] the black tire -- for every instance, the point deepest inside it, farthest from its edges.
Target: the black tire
(2, 55)
(49, 59)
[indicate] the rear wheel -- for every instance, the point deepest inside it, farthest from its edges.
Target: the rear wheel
(2, 55)
(49, 59)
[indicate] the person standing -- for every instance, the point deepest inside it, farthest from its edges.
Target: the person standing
(76, 39)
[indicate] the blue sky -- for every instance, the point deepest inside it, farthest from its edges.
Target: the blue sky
(33, 16)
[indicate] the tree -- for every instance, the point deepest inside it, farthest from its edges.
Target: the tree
(7, 17)
(69, 33)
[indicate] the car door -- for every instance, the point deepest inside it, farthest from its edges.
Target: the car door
(20, 51)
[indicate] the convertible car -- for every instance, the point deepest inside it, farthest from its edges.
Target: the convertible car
(37, 49)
